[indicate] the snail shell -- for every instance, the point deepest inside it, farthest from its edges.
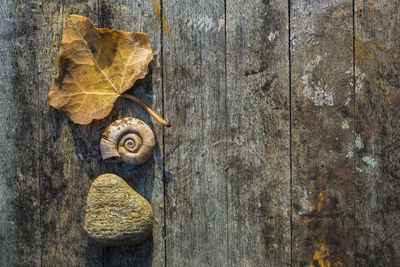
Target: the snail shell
(127, 140)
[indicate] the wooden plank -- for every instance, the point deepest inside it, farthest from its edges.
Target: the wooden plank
(19, 168)
(194, 95)
(377, 67)
(146, 179)
(258, 140)
(71, 156)
(322, 138)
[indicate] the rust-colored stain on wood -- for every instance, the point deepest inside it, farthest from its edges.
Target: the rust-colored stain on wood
(327, 253)
(321, 258)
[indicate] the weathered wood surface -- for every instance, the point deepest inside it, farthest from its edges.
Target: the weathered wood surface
(47, 179)
(284, 150)
(377, 123)
(258, 133)
(322, 133)
(195, 100)
(20, 132)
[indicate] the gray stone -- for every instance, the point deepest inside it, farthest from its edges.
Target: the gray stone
(115, 213)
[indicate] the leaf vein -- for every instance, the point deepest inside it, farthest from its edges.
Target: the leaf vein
(94, 60)
(126, 65)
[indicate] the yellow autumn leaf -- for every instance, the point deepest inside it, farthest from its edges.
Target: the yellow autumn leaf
(95, 68)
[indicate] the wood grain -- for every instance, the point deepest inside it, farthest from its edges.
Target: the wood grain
(377, 64)
(195, 95)
(65, 150)
(147, 179)
(284, 150)
(69, 169)
(19, 116)
(322, 126)
(258, 154)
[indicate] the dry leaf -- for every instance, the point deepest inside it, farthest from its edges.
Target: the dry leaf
(95, 67)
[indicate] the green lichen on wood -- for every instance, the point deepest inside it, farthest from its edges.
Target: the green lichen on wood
(369, 161)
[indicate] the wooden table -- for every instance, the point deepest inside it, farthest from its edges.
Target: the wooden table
(285, 150)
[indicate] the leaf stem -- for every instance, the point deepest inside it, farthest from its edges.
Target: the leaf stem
(149, 110)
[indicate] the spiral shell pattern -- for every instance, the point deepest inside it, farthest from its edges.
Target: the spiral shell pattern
(128, 140)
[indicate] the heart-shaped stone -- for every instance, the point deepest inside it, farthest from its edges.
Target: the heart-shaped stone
(115, 213)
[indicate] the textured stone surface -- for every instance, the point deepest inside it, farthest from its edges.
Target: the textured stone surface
(115, 213)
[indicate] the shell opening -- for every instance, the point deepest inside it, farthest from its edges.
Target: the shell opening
(113, 159)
